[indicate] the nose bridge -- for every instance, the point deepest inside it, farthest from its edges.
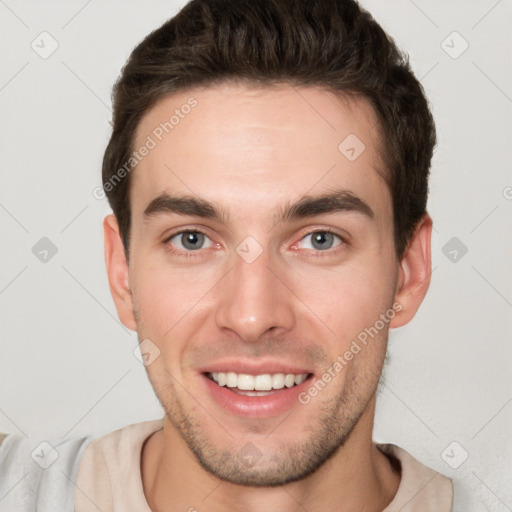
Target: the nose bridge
(253, 299)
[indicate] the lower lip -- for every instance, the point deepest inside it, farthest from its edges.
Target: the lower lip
(276, 403)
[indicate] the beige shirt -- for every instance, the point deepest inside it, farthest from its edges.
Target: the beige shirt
(109, 477)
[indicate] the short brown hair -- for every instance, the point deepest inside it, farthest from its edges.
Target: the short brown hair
(334, 44)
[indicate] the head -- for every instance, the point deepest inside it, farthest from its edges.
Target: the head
(268, 175)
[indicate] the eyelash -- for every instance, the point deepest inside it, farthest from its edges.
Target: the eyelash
(186, 254)
(315, 253)
(328, 252)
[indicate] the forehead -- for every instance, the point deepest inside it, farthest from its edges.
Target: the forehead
(243, 145)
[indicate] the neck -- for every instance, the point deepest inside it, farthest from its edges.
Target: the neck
(357, 477)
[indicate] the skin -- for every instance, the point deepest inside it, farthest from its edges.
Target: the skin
(253, 151)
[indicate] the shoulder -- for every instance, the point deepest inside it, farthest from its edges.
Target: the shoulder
(111, 465)
(39, 475)
(43, 475)
(111, 448)
(421, 488)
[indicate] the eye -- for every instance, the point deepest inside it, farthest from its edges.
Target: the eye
(320, 241)
(190, 240)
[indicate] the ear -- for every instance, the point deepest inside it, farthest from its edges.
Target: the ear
(414, 273)
(117, 271)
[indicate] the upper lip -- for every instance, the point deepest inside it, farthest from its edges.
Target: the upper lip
(252, 367)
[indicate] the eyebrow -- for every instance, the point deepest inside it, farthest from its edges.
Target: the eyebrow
(338, 201)
(307, 206)
(182, 205)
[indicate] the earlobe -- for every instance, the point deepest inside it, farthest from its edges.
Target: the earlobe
(118, 272)
(414, 273)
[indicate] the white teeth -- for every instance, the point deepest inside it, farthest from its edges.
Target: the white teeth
(263, 382)
(289, 380)
(278, 381)
(254, 393)
(245, 382)
(231, 379)
(299, 379)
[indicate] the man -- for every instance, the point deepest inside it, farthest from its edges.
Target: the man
(268, 175)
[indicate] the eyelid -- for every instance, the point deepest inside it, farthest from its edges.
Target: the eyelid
(192, 228)
(180, 231)
(342, 235)
(183, 252)
(306, 232)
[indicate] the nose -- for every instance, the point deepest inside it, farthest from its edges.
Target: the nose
(254, 300)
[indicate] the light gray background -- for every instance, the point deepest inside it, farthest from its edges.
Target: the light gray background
(67, 364)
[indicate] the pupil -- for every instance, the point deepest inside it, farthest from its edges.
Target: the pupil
(192, 240)
(320, 239)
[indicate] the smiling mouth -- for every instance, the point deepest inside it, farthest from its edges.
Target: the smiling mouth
(257, 385)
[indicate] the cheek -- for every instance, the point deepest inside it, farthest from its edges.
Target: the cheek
(169, 298)
(349, 298)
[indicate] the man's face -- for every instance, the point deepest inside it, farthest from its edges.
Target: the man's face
(253, 291)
